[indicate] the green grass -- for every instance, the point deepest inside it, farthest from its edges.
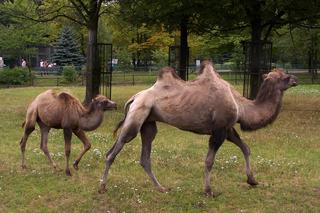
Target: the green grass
(285, 159)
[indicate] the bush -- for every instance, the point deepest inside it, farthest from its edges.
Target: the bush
(69, 74)
(15, 76)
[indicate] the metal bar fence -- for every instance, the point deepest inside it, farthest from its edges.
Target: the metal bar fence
(142, 77)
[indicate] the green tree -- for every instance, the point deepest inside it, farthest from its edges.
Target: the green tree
(83, 12)
(174, 15)
(220, 17)
(18, 36)
(67, 51)
(261, 17)
(138, 39)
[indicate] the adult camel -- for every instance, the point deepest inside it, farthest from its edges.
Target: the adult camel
(207, 105)
(63, 111)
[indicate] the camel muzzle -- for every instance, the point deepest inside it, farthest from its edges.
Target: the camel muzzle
(111, 106)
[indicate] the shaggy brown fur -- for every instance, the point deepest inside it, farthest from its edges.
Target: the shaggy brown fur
(63, 111)
(207, 105)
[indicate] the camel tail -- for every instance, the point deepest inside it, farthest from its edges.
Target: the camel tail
(126, 109)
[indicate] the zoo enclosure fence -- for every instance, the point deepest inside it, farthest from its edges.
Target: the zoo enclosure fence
(149, 77)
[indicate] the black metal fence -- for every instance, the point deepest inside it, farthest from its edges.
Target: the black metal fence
(141, 77)
(105, 61)
(257, 61)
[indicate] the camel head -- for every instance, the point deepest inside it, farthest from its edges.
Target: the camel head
(280, 80)
(102, 102)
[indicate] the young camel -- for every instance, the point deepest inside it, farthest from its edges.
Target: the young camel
(63, 111)
(208, 105)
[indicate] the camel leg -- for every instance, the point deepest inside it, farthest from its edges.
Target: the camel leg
(86, 144)
(44, 142)
(148, 133)
(234, 137)
(67, 148)
(127, 134)
(27, 131)
(215, 142)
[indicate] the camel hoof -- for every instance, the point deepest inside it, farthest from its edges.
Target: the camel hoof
(102, 189)
(68, 173)
(163, 189)
(75, 165)
(23, 166)
(252, 182)
(210, 193)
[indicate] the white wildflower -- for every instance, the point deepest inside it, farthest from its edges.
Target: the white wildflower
(97, 153)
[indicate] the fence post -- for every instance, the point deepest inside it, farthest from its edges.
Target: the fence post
(82, 78)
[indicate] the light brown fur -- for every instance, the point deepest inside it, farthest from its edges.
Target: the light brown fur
(207, 105)
(63, 111)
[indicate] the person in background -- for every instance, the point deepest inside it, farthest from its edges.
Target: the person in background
(23, 63)
(45, 67)
(41, 67)
(1, 63)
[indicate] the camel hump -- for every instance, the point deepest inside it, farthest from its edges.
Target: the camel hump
(168, 72)
(66, 97)
(206, 66)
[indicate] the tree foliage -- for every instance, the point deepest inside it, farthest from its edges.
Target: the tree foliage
(19, 36)
(67, 50)
(173, 15)
(83, 12)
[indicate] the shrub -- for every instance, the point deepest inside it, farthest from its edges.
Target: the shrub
(69, 74)
(15, 76)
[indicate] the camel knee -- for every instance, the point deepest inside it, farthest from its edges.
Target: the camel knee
(109, 160)
(87, 146)
(23, 143)
(44, 149)
(67, 152)
(145, 164)
(246, 150)
(208, 163)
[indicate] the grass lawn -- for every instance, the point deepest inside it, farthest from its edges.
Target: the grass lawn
(285, 159)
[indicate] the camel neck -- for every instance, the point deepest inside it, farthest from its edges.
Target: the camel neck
(261, 111)
(91, 119)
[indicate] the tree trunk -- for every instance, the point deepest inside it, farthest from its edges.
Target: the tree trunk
(255, 56)
(183, 49)
(255, 50)
(93, 66)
